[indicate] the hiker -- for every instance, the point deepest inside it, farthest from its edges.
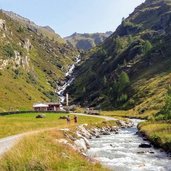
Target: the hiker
(68, 119)
(75, 119)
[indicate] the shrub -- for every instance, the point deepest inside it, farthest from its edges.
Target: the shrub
(20, 29)
(147, 47)
(8, 50)
(165, 113)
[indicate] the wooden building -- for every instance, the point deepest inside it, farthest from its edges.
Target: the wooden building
(42, 107)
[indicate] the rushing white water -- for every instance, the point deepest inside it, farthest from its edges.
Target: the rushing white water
(68, 82)
(121, 152)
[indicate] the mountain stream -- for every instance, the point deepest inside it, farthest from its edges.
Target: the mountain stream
(121, 152)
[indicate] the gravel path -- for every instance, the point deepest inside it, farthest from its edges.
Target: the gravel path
(8, 142)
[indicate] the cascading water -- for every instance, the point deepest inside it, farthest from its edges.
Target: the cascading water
(121, 152)
(61, 89)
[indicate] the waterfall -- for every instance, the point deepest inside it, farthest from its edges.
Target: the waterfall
(70, 74)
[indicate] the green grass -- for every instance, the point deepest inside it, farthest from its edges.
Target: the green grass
(42, 151)
(120, 114)
(158, 132)
(19, 123)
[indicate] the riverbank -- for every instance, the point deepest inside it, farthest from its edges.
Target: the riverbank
(44, 152)
(78, 137)
(58, 149)
(158, 133)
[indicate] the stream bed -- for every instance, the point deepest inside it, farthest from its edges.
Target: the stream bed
(121, 152)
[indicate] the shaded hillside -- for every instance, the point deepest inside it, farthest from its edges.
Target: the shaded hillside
(131, 69)
(87, 41)
(31, 63)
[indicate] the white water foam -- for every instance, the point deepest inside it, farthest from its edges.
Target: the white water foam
(121, 152)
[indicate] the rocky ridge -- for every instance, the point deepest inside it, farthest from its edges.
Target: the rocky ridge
(87, 41)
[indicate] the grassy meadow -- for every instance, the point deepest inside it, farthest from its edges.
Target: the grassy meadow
(120, 114)
(20, 123)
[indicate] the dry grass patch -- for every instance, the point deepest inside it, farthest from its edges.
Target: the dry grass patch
(42, 152)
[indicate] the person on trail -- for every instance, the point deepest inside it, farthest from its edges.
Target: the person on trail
(68, 119)
(75, 119)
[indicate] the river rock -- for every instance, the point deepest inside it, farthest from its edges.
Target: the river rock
(81, 144)
(145, 146)
(151, 152)
(121, 123)
(106, 133)
(140, 152)
(84, 132)
(114, 129)
(87, 142)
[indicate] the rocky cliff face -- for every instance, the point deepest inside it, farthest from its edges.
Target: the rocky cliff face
(87, 41)
(131, 68)
(31, 63)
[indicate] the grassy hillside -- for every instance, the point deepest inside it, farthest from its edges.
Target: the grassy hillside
(87, 41)
(131, 69)
(31, 64)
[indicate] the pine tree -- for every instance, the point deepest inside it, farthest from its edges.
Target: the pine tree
(147, 47)
(123, 81)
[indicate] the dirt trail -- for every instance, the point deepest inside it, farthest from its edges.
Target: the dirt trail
(8, 142)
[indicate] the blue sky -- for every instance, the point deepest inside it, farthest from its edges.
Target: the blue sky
(69, 16)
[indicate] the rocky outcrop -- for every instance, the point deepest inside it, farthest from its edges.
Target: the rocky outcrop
(3, 25)
(27, 44)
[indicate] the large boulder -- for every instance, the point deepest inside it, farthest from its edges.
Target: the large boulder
(145, 146)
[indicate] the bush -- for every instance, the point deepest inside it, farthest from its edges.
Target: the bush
(165, 113)
(147, 47)
(8, 50)
(20, 29)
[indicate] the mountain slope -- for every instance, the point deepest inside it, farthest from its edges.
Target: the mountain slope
(131, 69)
(31, 63)
(87, 41)
(45, 30)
